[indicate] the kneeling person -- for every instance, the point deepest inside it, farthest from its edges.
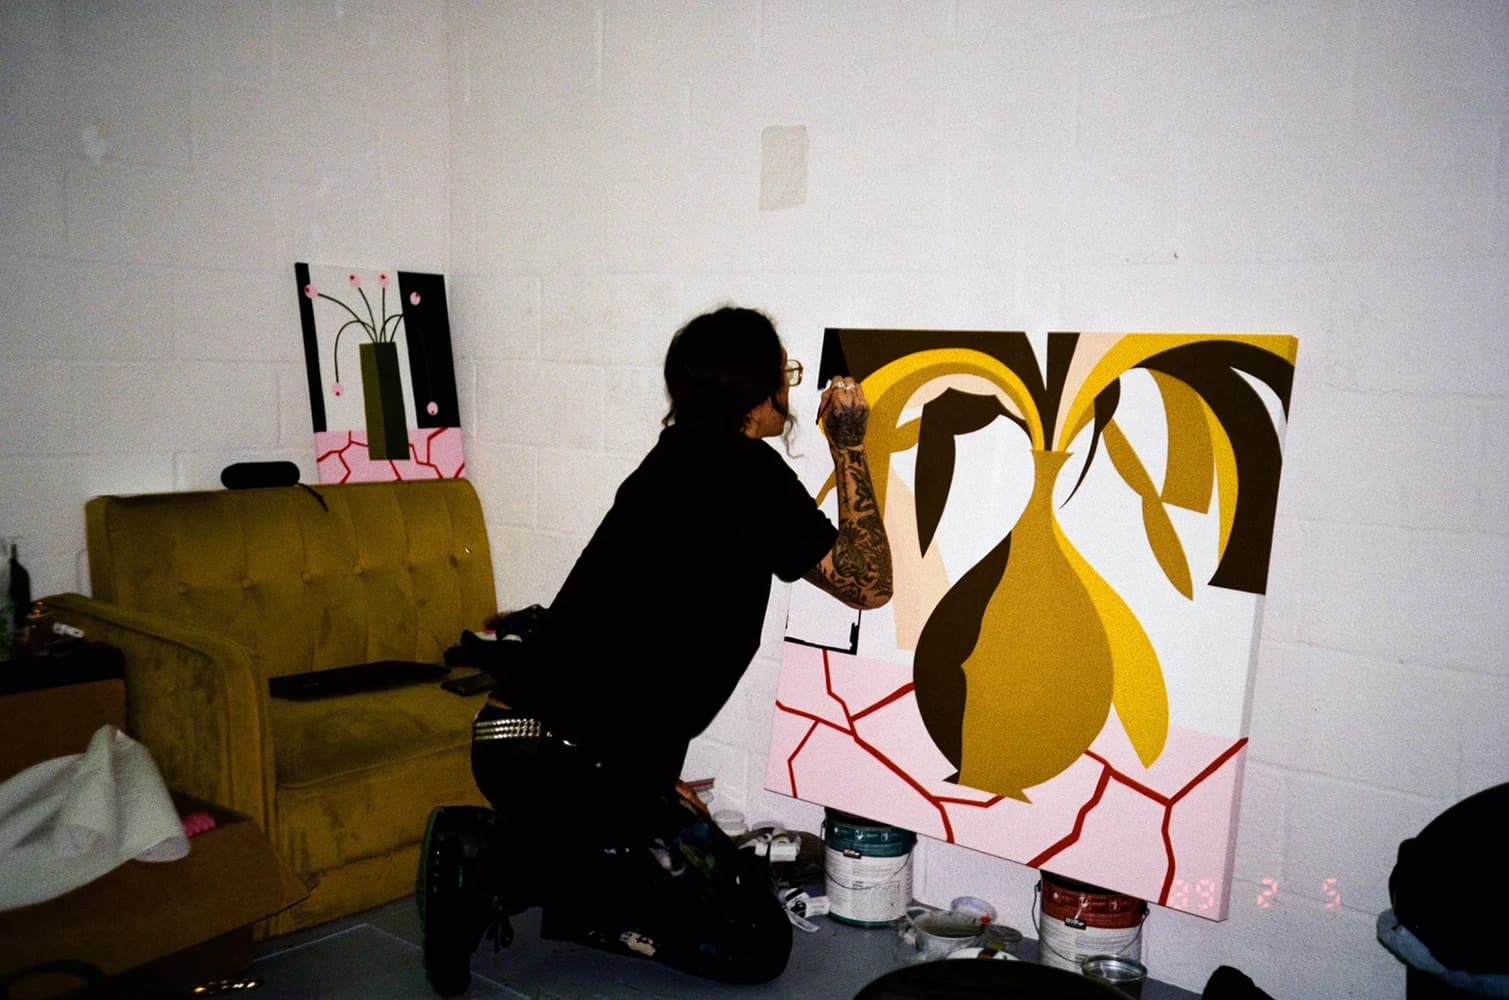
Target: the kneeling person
(580, 750)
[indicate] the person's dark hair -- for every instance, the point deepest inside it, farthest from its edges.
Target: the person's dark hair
(720, 366)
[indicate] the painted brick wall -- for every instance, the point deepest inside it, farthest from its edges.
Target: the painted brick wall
(1338, 171)
(588, 175)
(162, 165)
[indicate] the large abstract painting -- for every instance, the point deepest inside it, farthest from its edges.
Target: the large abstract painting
(1081, 526)
(382, 382)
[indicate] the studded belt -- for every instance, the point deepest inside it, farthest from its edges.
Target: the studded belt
(508, 728)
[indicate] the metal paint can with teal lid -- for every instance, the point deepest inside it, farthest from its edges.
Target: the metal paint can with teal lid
(867, 869)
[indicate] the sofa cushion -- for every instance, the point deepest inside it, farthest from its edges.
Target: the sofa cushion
(357, 775)
(330, 740)
(369, 814)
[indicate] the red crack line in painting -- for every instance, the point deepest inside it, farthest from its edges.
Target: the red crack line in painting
(1108, 772)
(851, 717)
(426, 463)
(339, 454)
(1166, 801)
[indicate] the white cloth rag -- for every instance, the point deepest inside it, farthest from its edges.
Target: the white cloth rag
(69, 820)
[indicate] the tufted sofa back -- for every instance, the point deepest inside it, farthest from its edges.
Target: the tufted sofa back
(305, 578)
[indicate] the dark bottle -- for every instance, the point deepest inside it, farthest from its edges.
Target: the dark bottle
(38, 635)
(20, 592)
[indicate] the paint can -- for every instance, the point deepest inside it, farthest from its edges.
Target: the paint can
(1076, 921)
(867, 869)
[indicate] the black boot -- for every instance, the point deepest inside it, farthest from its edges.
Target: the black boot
(456, 895)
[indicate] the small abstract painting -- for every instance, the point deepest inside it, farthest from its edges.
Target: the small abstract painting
(1080, 527)
(382, 381)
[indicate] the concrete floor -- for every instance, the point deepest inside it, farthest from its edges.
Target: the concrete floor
(375, 956)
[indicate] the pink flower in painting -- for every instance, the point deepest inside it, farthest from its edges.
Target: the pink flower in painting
(414, 298)
(432, 409)
(384, 332)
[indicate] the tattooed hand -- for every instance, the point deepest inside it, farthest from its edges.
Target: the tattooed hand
(844, 413)
(857, 570)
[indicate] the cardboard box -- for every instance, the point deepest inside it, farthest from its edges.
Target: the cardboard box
(153, 928)
(49, 722)
(198, 910)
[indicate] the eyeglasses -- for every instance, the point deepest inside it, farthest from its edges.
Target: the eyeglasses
(793, 372)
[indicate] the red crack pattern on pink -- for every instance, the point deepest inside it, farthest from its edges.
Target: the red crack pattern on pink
(1106, 820)
(342, 457)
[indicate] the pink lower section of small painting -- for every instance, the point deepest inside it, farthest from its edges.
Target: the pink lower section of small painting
(434, 453)
(847, 733)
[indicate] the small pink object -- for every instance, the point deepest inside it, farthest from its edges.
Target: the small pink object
(432, 409)
(196, 823)
(310, 291)
(382, 279)
(354, 280)
(338, 389)
(414, 298)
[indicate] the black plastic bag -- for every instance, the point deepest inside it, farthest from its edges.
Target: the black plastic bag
(1449, 881)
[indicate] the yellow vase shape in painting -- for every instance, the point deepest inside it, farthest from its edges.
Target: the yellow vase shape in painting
(1040, 678)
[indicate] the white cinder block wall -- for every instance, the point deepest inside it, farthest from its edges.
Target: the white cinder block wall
(162, 165)
(1335, 170)
(588, 176)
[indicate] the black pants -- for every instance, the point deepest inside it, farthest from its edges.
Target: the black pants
(620, 864)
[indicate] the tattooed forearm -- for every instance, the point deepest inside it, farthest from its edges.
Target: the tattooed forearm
(846, 426)
(862, 554)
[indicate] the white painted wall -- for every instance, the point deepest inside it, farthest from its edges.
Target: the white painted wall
(162, 165)
(1335, 170)
(587, 174)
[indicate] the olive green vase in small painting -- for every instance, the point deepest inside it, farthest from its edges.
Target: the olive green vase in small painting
(382, 392)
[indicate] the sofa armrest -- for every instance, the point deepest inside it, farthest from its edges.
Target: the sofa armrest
(192, 699)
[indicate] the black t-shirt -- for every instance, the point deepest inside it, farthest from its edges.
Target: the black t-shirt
(664, 609)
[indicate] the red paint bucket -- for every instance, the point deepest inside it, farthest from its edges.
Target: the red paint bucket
(1077, 920)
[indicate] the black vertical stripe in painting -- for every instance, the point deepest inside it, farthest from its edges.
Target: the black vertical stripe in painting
(832, 362)
(427, 333)
(311, 349)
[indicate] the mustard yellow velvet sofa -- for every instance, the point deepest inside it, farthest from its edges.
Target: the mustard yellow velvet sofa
(210, 594)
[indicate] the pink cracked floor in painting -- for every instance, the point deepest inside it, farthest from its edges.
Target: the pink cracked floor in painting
(434, 453)
(847, 734)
